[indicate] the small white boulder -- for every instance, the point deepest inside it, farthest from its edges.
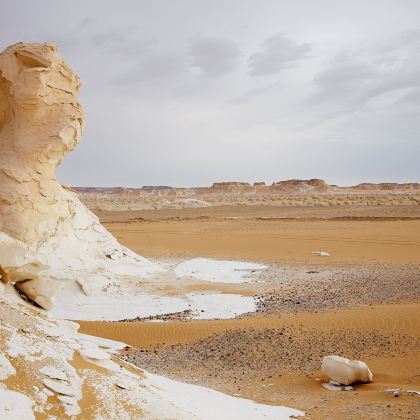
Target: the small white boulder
(346, 371)
(322, 253)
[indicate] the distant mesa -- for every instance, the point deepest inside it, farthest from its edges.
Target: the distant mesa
(230, 185)
(291, 192)
(387, 186)
(297, 185)
(96, 189)
(314, 185)
(156, 187)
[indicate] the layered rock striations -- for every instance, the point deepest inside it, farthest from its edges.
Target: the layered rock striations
(41, 121)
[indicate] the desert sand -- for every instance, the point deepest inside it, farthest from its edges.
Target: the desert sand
(276, 360)
(274, 240)
(360, 302)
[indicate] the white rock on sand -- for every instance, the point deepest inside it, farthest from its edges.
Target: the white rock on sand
(322, 253)
(6, 368)
(345, 371)
(336, 386)
(60, 387)
(53, 373)
(15, 406)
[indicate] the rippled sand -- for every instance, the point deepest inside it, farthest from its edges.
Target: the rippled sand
(361, 302)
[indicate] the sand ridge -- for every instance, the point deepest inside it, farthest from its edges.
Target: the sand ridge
(397, 318)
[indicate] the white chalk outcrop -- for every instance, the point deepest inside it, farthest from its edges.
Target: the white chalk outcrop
(345, 371)
(52, 248)
(40, 121)
(63, 374)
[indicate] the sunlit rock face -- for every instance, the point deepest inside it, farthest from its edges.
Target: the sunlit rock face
(40, 121)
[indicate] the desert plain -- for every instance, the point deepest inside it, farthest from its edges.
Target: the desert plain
(360, 300)
(215, 302)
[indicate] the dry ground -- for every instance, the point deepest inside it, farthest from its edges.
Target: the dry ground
(261, 234)
(362, 302)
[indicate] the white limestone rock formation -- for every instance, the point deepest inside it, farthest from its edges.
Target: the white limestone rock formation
(17, 261)
(345, 371)
(22, 267)
(40, 121)
(52, 248)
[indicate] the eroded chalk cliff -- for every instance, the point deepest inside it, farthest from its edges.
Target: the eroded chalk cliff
(41, 121)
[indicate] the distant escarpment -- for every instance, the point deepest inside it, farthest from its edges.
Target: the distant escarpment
(293, 192)
(388, 186)
(298, 185)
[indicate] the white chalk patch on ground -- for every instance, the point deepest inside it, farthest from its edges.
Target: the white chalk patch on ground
(205, 403)
(73, 304)
(15, 406)
(105, 307)
(217, 271)
(223, 306)
(105, 343)
(101, 299)
(6, 368)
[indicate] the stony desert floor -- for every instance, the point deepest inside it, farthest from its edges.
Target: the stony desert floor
(362, 301)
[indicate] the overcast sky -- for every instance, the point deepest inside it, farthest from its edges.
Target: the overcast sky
(188, 92)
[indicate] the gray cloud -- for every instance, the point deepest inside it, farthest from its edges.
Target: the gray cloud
(155, 68)
(122, 44)
(411, 98)
(368, 72)
(346, 78)
(278, 52)
(153, 121)
(213, 56)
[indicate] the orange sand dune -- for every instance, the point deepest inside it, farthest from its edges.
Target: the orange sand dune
(398, 318)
